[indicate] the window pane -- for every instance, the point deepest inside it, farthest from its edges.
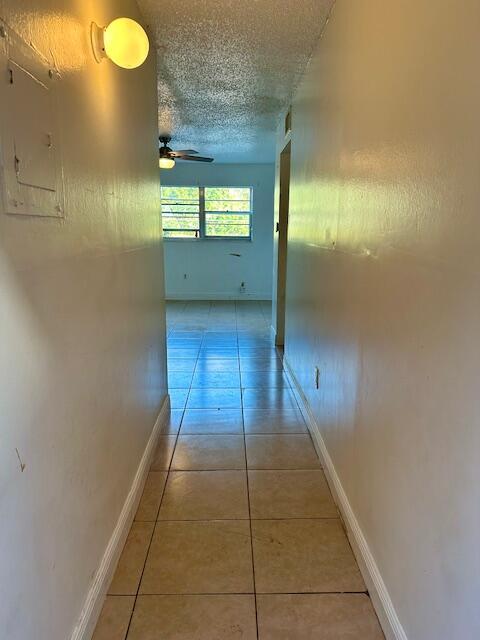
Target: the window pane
(227, 193)
(227, 218)
(181, 222)
(218, 224)
(180, 234)
(230, 230)
(180, 212)
(180, 193)
(223, 207)
(167, 207)
(227, 205)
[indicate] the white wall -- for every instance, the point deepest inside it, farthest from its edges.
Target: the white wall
(212, 272)
(82, 358)
(383, 291)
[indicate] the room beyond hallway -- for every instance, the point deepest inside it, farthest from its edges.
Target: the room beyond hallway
(236, 534)
(231, 255)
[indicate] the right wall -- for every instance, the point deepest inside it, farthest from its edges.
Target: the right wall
(383, 293)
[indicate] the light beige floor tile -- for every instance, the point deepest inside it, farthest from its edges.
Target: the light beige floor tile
(212, 421)
(114, 618)
(163, 453)
(269, 363)
(216, 398)
(152, 494)
(257, 352)
(179, 379)
(172, 426)
(301, 556)
(282, 398)
(183, 365)
(263, 379)
(220, 379)
(205, 495)
(323, 617)
(129, 569)
(199, 557)
(178, 398)
(209, 453)
(290, 494)
(281, 452)
(271, 421)
(206, 617)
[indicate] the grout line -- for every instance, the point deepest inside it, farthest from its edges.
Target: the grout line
(250, 433)
(238, 470)
(248, 593)
(247, 469)
(248, 488)
(278, 518)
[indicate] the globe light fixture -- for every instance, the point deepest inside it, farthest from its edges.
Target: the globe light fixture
(123, 41)
(166, 163)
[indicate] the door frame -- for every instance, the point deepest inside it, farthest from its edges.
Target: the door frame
(282, 242)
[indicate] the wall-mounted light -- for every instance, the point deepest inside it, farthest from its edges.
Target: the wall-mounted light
(166, 163)
(124, 41)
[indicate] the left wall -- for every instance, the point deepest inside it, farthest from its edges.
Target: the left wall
(82, 356)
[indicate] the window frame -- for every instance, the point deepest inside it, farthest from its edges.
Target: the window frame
(202, 215)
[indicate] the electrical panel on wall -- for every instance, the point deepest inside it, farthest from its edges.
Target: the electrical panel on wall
(30, 160)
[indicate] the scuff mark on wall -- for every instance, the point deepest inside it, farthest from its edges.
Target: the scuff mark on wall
(22, 464)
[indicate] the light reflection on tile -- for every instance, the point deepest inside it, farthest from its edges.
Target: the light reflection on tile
(214, 399)
(292, 451)
(198, 452)
(212, 421)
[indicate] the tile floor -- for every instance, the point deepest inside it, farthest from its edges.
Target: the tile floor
(236, 534)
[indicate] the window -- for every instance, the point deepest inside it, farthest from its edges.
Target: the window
(207, 212)
(181, 212)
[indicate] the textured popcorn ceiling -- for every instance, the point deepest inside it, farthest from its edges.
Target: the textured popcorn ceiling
(227, 68)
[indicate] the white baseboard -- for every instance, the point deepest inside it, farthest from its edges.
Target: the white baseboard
(96, 594)
(218, 296)
(381, 600)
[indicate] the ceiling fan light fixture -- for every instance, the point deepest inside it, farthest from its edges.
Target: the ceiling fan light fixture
(168, 156)
(166, 163)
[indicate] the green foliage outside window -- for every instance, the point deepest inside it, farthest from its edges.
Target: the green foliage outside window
(206, 212)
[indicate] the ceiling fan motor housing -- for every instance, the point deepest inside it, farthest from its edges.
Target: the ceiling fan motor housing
(165, 151)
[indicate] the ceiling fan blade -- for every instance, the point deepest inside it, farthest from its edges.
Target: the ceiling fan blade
(195, 158)
(184, 152)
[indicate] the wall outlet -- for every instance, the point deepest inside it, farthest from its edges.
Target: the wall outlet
(242, 287)
(317, 378)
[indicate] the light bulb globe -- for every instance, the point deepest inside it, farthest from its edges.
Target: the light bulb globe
(126, 43)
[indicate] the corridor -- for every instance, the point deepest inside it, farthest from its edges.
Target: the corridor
(236, 535)
(184, 184)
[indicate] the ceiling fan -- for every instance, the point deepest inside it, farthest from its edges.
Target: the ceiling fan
(168, 156)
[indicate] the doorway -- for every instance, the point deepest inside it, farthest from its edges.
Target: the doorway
(282, 228)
